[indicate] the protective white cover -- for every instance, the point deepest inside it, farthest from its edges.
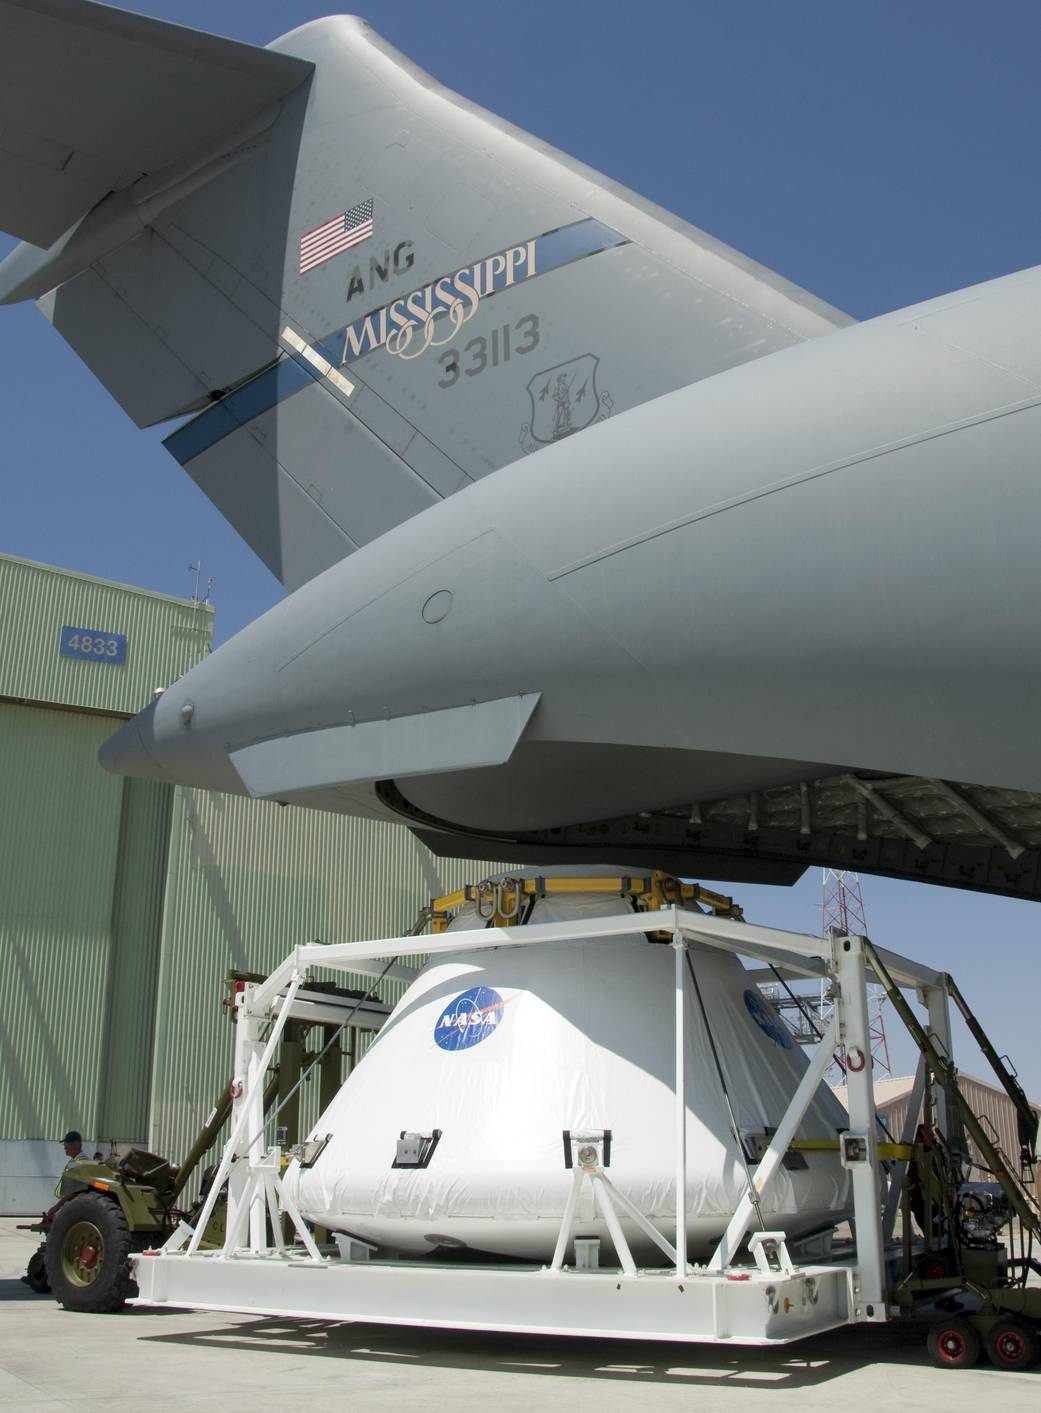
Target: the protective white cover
(573, 1036)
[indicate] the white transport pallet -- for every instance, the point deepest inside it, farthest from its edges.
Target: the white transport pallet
(768, 1299)
(754, 1309)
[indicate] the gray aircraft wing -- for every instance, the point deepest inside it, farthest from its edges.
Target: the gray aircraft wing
(365, 292)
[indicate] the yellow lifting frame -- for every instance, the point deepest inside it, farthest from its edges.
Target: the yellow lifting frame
(504, 896)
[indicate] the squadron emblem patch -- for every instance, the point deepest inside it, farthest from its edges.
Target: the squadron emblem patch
(564, 399)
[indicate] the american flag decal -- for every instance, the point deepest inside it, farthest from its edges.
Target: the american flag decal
(347, 229)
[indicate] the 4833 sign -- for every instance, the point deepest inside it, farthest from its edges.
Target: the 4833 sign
(93, 644)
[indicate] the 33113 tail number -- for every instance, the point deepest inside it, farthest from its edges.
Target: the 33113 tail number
(491, 350)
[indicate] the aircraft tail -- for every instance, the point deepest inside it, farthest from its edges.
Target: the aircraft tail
(366, 292)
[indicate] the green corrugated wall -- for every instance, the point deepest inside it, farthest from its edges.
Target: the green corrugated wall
(165, 636)
(59, 855)
(82, 853)
(124, 903)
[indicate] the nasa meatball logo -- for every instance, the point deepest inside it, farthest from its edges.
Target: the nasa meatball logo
(469, 1019)
(767, 1019)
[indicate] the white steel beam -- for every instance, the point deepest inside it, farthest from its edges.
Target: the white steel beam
(249, 1043)
(602, 1198)
(733, 936)
(376, 967)
(341, 955)
(869, 1288)
(906, 972)
(762, 1310)
(679, 946)
(899, 1168)
(937, 1003)
(636, 1216)
(772, 944)
(345, 956)
(778, 1147)
(567, 1221)
(241, 1123)
(333, 1011)
(748, 936)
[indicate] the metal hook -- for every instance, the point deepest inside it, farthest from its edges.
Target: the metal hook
(517, 897)
(485, 892)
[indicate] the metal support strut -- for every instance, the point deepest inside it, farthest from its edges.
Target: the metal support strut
(254, 1185)
(679, 947)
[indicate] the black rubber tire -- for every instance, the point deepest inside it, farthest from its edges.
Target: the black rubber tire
(90, 1223)
(933, 1267)
(953, 1344)
(36, 1273)
(1012, 1344)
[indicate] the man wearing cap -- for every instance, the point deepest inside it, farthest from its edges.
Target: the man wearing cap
(73, 1145)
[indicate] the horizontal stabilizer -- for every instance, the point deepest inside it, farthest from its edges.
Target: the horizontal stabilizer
(91, 98)
(455, 738)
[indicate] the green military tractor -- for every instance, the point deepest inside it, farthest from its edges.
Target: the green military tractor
(109, 1208)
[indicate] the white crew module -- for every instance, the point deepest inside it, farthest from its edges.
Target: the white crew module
(453, 1132)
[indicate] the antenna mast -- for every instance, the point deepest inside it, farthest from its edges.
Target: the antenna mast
(842, 909)
(807, 1013)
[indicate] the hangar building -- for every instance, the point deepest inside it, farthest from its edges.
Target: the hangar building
(124, 903)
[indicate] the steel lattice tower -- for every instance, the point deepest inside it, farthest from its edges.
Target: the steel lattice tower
(807, 1013)
(842, 909)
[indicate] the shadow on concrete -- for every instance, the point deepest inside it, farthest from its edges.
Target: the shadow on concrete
(14, 1288)
(806, 1364)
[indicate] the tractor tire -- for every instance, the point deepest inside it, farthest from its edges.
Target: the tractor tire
(87, 1249)
(36, 1273)
(953, 1344)
(1012, 1344)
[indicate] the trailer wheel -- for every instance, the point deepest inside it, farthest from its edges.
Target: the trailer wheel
(36, 1273)
(87, 1250)
(953, 1344)
(932, 1267)
(1011, 1344)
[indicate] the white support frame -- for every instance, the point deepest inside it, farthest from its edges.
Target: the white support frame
(749, 1309)
(731, 1240)
(899, 1168)
(869, 1287)
(938, 1005)
(608, 1199)
(255, 1188)
(679, 947)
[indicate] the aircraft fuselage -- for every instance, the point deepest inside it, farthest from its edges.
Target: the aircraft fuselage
(818, 562)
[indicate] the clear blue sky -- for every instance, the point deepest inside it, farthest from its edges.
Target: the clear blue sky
(875, 154)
